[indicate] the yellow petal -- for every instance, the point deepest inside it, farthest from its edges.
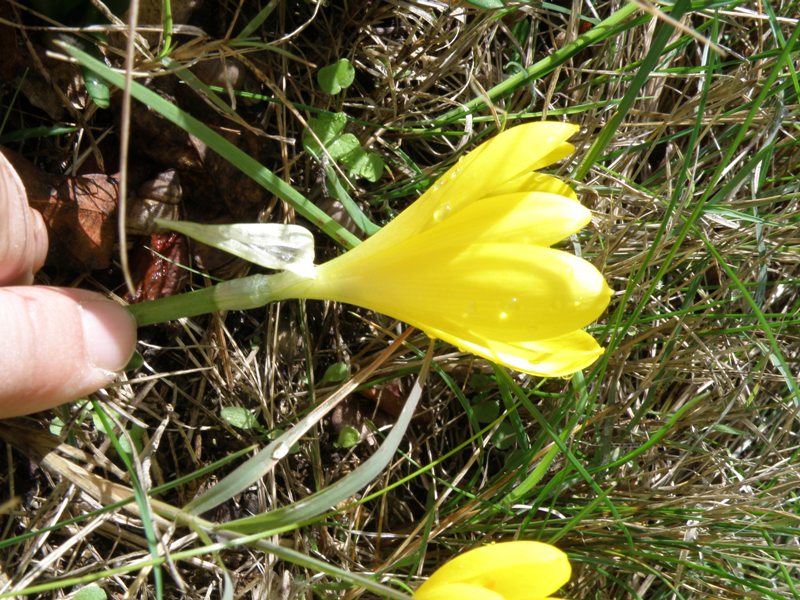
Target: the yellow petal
(553, 357)
(529, 217)
(521, 570)
(457, 591)
(511, 153)
(496, 162)
(536, 182)
(501, 291)
(539, 218)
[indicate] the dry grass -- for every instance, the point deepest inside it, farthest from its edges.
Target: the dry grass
(667, 471)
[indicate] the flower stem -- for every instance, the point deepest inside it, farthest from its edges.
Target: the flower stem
(237, 294)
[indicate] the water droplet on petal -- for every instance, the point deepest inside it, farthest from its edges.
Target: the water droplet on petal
(469, 309)
(509, 308)
(442, 212)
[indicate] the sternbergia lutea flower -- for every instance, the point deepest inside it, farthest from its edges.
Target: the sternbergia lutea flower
(521, 570)
(470, 261)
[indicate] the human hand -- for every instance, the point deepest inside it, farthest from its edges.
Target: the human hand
(56, 344)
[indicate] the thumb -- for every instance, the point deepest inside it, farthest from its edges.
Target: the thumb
(58, 344)
(23, 243)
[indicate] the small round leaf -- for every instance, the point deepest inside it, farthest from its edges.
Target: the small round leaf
(348, 437)
(334, 78)
(239, 417)
(91, 592)
(336, 373)
(486, 412)
(364, 165)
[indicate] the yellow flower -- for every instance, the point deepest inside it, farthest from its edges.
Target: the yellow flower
(470, 261)
(507, 571)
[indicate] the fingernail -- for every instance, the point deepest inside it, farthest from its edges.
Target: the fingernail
(109, 333)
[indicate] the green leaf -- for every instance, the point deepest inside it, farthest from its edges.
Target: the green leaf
(140, 496)
(505, 436)
(328, 126)
(336, 373)
(346, 148)
(486, 412)
(334, 78)
(136, 361)
(239, 417)
(91, 592)
(364, 165)
(97, 423)
(489, 4)
(338, 192)
(342, 146)
(135, 435)
(56, 426)
(348, 437)
(97, 88)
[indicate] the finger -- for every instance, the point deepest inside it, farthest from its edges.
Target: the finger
(58, 345)
(40, 240)
(23, 243)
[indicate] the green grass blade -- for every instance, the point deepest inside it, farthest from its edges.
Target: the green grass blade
(651, 60)
(265, 460)
(241, 160)
(139, 494)
(603, 30)
(505, 380)
(776, 355)
(746, 127)
(322, 501)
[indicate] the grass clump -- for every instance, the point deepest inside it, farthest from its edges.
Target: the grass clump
(667, 470)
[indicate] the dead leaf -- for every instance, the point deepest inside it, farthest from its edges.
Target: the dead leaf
(158, 267)
(78, 212)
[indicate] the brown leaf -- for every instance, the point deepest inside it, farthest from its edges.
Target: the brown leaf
(78, 212)
(389, 396)
(158, 269)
